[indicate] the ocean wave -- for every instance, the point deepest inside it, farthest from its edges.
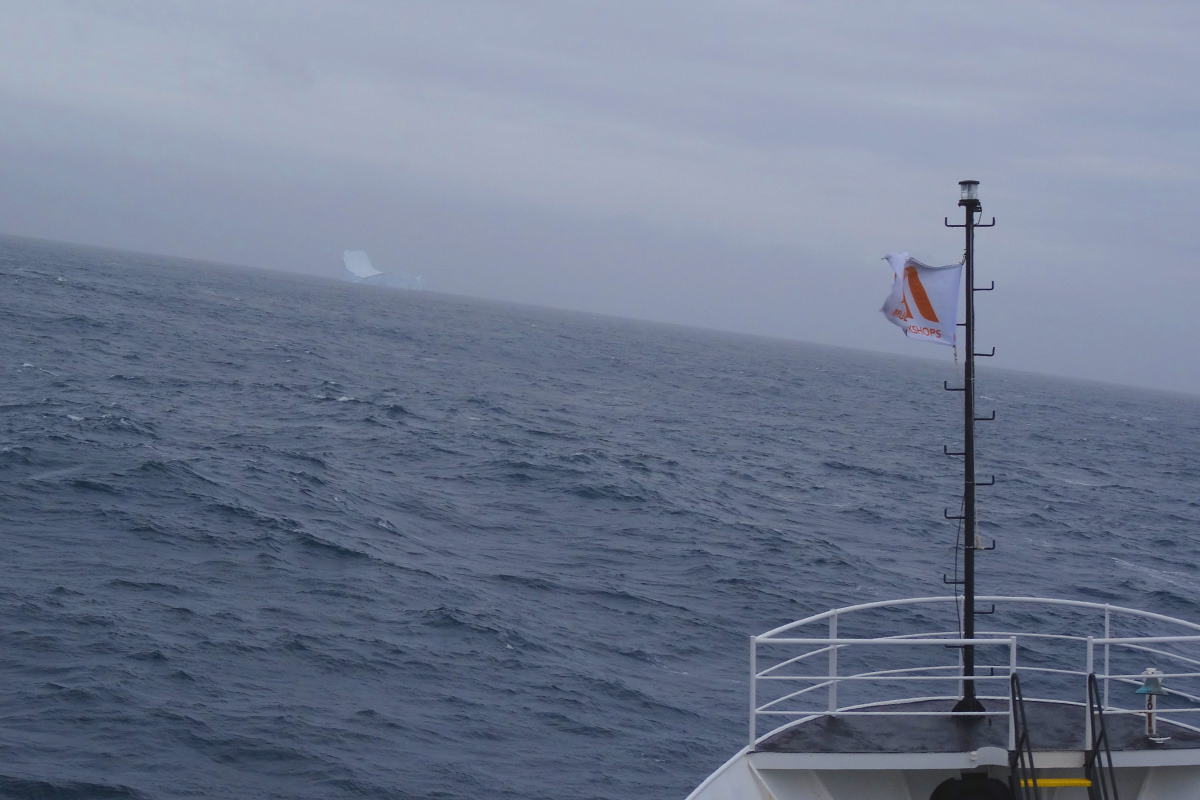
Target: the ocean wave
(27, 789)
(250, 541)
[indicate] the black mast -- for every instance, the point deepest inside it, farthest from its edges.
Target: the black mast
(971, 206)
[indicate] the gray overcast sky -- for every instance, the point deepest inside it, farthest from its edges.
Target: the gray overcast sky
(737, 165)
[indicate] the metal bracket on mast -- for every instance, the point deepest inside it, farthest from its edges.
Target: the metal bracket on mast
(991, 224)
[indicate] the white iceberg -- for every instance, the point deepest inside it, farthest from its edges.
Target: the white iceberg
(360, 270)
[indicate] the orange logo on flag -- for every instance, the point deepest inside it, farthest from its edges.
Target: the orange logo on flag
(915, 288)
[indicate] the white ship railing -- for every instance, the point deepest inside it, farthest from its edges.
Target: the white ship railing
(844, 663)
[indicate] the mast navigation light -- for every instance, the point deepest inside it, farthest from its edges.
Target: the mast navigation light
(970, 194)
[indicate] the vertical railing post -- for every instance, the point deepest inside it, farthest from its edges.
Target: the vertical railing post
(753, 689)
(1091, 668)
(1107, 651)
(833, 663)
(1012, 711)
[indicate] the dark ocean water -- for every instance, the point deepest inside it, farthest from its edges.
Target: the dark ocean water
(273, 537)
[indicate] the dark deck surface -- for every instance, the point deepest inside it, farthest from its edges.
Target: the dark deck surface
(1052, 726)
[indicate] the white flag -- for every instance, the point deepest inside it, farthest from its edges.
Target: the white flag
(924, 299)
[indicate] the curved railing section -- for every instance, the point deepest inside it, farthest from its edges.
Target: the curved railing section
(862, 659)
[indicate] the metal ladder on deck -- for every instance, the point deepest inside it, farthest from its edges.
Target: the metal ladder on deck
(1098, 764)
(1022, 782)
(1099, 778)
